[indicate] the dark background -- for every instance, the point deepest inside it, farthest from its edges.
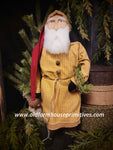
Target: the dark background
(11, 45)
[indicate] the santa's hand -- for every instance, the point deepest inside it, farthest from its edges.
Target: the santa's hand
(72, 87)
(34, 104)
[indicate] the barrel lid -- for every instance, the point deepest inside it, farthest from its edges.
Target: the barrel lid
(101, 68)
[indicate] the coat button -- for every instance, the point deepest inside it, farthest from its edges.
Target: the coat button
(57, 62)
(58, 72)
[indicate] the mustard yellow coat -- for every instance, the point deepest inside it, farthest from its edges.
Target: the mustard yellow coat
(57, 71)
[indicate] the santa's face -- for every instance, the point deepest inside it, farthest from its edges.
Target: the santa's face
(56, 22)
(56, 37)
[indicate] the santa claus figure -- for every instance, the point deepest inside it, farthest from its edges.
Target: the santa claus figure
(53, 73)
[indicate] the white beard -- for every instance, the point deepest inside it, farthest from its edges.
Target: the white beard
(57, 41)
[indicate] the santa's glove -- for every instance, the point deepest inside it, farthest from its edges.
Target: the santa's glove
(72, 87)
(38, 95)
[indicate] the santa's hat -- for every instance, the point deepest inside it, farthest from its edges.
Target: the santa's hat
(36, 53)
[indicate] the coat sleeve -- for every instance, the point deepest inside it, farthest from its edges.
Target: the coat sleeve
(83, 61)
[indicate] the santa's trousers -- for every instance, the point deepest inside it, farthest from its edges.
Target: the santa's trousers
(59, 139)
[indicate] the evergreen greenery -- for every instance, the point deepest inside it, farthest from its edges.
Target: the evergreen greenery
(80, 13)
(21, 76)
(21, 133)
(82, 86)
(99, 139)
(104, 32)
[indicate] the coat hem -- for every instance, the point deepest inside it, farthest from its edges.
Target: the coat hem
(63, 125)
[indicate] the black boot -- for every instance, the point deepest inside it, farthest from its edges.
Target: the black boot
(60, 139)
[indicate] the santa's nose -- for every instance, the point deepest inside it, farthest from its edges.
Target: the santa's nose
(56, 26)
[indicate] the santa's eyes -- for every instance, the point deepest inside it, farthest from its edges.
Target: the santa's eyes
(52, 21)
(59, 20)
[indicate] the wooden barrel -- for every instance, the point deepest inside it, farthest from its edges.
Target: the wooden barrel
(102, 119)
(99, 95)
(99, 100)
(101, 75)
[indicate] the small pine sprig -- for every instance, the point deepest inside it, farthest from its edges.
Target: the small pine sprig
(107, 46)
(108, 50)
(88, 7)
(106, 22)
(80, 82)
(82, 29)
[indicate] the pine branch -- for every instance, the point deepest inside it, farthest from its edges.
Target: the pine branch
(35, 31)
(80, 20)
(21, 77)
(18, 76)
(108, 50)
(27, 55)
(13, 78)
(88, 7)
(31, 24)
(13, 135)
(100, 139)
(22, 131)
(25, 63)
(80, 82)
(104, 22)
(26, 40)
